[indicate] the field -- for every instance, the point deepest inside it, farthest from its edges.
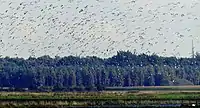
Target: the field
(112, 97)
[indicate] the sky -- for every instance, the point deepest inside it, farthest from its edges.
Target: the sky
(98, 27)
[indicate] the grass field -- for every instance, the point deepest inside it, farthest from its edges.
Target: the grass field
(114, 96)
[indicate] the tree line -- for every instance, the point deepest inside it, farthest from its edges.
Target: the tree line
(73, 73)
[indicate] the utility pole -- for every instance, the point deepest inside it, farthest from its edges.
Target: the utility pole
(193, 56)
(134, 52)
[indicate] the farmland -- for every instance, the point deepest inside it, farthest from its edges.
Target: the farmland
(137, 96)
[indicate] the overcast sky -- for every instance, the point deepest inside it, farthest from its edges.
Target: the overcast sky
(98, 27)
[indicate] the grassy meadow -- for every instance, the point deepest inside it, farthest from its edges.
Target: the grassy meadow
(112, 96)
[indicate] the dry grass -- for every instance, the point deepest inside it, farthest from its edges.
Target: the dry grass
(101, 94)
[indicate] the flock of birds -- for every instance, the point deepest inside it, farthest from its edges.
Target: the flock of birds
(98, 27)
